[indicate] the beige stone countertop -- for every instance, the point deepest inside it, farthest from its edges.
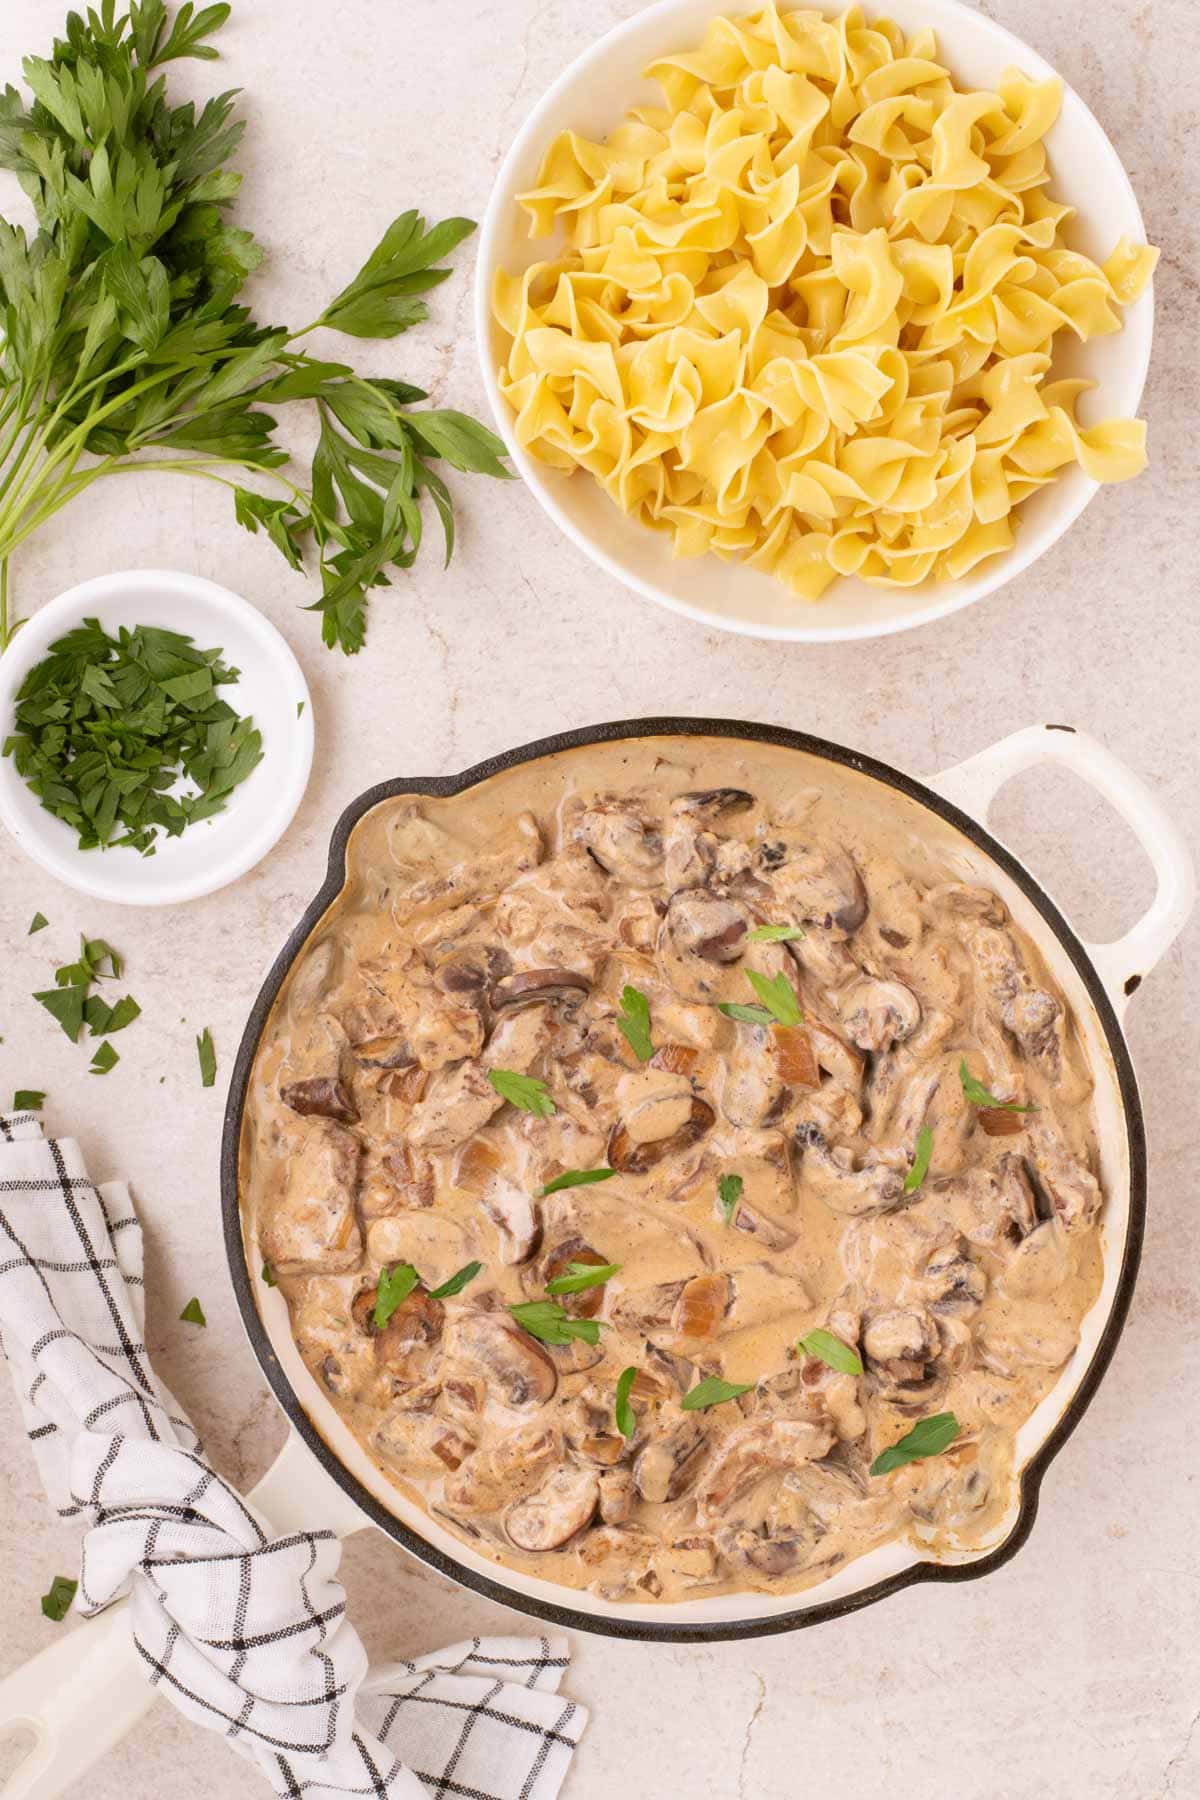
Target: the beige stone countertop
(1073, 1671)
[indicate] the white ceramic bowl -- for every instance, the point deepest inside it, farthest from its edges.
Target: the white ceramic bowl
(271, 688)
(591, 97)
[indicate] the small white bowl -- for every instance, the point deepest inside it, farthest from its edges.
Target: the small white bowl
(591, 97)
(271, 688)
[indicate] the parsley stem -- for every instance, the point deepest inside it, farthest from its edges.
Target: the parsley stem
(3, 603)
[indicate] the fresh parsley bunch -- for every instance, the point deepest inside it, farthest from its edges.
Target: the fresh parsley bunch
(122, 345)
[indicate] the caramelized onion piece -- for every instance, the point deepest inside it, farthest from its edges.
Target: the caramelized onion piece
(998, 1121)
(795, 1059)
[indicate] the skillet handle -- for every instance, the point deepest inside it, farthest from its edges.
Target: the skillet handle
(83, 1693)
(1123, 964)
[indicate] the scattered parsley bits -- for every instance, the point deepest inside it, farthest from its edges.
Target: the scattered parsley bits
(712, 1391)
(525, 1092)
(920, 1161)
(546, 1321)
(580, 1276)
(928, 1437)
(775, 934)
(778, 995)
(28, 1100)
(57, 1603)
(978, 1095)
(831, 1351)
(71, 1002)
(729, 1192)
(747, 1015)
(633, 1022)
(268, 1276)
(193, 1313)
(299, 709)
(574, 1178)
(105, 728)
(38, 922)
(622, 1410)
(393, 1287)
(105, 1058)
(207, 1055)
(457, 1282)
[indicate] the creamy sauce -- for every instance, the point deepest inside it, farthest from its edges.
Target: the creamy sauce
(496, 930)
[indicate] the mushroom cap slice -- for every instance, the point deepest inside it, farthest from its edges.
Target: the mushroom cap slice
(635, 1159)
(409, 1340)
(878, 1014)
(538, 987)
(714, 803)
(321, 1096)
(517, 1370)
(562, 1506)
(584, 1305)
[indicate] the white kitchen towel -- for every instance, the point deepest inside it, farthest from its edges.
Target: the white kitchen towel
(244, 1632)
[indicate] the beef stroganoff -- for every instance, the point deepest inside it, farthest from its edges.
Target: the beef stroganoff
(804, 312)
(679, 1177)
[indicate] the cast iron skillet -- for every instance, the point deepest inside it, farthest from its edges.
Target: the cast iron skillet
(565, 1615)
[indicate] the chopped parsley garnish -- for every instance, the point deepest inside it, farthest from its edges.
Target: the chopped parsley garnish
(978, 1095)
(775, 934)
(622, 1410)
(712, 1391)
(582, 1275)
(71, 1002)
(268, 1276)
(748, 1015)
(104, 1059)
(729, 1192)
(546, 1320)
(920, 1161)
(928, 1437)
(633, 1022)
(28, 1100)
(392, 1289)
(525, 1092)
(831, 1351)
(206, 1052)
(38, 922)
(193, 1313)
(105, 727)
(57, 1603)
(457, 1282)
(574, 1178)
(778, 995)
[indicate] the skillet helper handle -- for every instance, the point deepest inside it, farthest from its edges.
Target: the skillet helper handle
(82, 1695)
(1123, 964)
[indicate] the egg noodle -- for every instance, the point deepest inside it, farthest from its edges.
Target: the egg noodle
(804, 312)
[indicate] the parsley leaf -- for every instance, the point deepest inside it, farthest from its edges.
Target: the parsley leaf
(729, 1192)
(928, 1437)
(582, 1275)
(457, 1282)
(831, 1351)
(268, 1276)
(104, 1059)
(778, 996)
(748, 1015)
(920, 1161)
(38, 922)
(206, 1052)
(775, 934)
(28, 1100)
(393, 1287)
(574, 1178)
(978, 1095)
(525, 1092)
(57, 1603)
(712, 1391)
(546, 1320)
(633, 1022)
(193, 1313)
(622, 1410)
(66, 1005)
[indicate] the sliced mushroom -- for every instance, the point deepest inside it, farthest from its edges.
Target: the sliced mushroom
(961, 901)
(667, 1466)
(584, 1305)
(314, 1228)
(832, 1175)
(701, 924)
(321, 1096)
(768, 1232)
(878, 1014)
(701, 1308)
(900, 1343)
(383, 1053)
(622, 842)
(561, 1507)
(458, 1102)
(617, 1496)
(538, 987)
(516, 1368)
(816, 887)
(714, 803)
(516, 1217)
(408, 1343)
(1072, 1191)
(632, 1158)
(954, 1282)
